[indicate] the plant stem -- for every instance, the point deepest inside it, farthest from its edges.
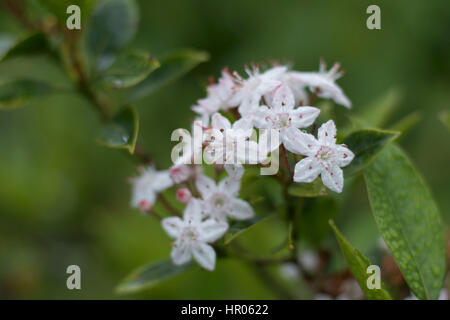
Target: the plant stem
(168, 206)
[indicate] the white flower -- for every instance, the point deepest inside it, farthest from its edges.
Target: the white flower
(250, 91)
(221, 200)
(323, 83)
(180, 173)
(323, 157)
(193, 235)
(281, 115)
(231, 144)
(147, 186)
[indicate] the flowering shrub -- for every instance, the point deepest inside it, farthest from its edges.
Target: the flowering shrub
(263, 146)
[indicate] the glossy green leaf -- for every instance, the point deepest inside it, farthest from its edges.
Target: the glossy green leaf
(408, 220)
(378, 113)
(366, 144)
(17, 93)
(35, 43)
(237, 228)
(150, 275)
(308, 190)
(445, 118)
(128, 70)
(173, 66)
(358, 264)
(122, 131)
(112, 26)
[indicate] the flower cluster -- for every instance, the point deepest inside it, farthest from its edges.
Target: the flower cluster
(278, 100)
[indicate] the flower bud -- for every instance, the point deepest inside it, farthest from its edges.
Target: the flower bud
(183, 195)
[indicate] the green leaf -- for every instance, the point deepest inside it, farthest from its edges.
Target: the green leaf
(172, 67)
(35, 43)
(405, 124)
(408, 220)
(312, 220)
(128, 70)
(17, 93)
(150, 275)
(358, 264)
(308, 190)
(113, 25)
(366, 144)
(237, 228)
(378, 113)
(122, 131)
(445, 118)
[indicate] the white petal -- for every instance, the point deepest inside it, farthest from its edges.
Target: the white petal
(193, 212)
(303, 117)
(306, 170)
(327, 133)
(240, 209)
(205, 185)
(235, 171)
(230, 186)
(163, 180)
(333, 178)
(172, 226)
(283, 100)
(180, 254)
(211, 230)
(219, 122)
(343, 156)
(299, 142)
(205, 256)
(262, 116)
(243, 124)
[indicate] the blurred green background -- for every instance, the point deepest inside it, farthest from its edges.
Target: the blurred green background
(64, 199)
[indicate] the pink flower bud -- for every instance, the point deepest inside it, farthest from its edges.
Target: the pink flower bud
(180, 173)
(145, 205)
(183, 195)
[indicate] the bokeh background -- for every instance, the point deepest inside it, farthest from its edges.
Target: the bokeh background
(65, 200)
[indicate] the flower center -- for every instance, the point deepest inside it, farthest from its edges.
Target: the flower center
(219, 202)
(325, 154)
(189, 235)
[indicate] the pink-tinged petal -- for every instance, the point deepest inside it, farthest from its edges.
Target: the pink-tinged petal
(180, 254)
(172, 226)
(327, 133)
(303, 117)
(219, 122)
(240, 209)
(205, 185)
(211, 230)
(299, 142)
(193, 212)
(333, 178)
(283, 100)
(205, 256)
(266, 86)
(343, 156)
(306, 170)
(263, 118)
(230, 185)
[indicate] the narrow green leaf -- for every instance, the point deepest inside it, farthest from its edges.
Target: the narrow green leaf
(150, 275)
(122, 131)
(128, 70)
(17, 93)
(173, 66)
(378, 113)
(112, 26)
(35, 43)
(308, 190)
(405, 124)
(358, 264)
(408, 220)
(445, 118)
(237, 228)
(366, 144)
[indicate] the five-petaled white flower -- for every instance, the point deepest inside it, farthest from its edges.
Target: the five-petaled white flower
(218, 98)
(323, 83)
(192, 236)
(147, 186)
(231, 144)
(250, 91)
(221, 200)
(281, 115)
(323, 156)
